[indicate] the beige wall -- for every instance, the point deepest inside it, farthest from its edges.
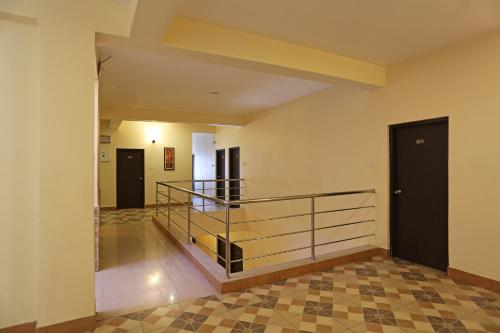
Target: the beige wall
(136, 134)
(19, 134)
(461, 82)
(311, 145)
(57, 198)
(335, 140)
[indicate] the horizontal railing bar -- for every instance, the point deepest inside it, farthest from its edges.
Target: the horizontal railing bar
(343, 209)
(200, 180)
(173, 221)
(343, 240)
(208, 197)
(208, 248)
(272, 236)
(297, 197)
(162, 193)
(197, 240)
(218, 188)
(273, 218)
(204, 196)
(272, 254)
(344, 224)
(206, 230)
(176, 212)
(272, 199)
(197, 210)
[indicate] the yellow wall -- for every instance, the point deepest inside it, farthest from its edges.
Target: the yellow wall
(19, 135)
(335, 140)
(59, 145)
(135, 134)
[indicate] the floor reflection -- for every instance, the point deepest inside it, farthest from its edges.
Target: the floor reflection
(140, 267)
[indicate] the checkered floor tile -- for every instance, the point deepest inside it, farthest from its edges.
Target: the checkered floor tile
(126, 215)
(379, 295)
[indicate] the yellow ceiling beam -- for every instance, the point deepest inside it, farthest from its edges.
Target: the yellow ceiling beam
(172, 116)
(269, 54)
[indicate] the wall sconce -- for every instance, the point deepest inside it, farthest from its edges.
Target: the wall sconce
(153, 134)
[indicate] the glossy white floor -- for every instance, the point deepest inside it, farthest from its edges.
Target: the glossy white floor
(140, 267)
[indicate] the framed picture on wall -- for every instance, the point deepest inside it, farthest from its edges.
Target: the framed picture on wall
(169, 158)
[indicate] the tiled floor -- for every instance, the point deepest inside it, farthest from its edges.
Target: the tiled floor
(371, 296)
(140, 267)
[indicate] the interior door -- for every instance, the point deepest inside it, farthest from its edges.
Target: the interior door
(129, 178)
(220, 172)
(419, 186)
(234, 173)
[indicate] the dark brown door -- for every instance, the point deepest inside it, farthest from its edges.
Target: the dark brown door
(234, 173)
(129, 178)
(220, 172)
(419, 192)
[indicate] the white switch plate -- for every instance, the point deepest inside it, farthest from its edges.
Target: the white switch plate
(104, 156)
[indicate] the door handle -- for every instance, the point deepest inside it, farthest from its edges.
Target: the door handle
(398, 192)
(140, 178)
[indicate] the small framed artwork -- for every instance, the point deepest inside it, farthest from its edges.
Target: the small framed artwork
(169, 158)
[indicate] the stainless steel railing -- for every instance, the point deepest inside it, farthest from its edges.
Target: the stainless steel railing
(172, 194)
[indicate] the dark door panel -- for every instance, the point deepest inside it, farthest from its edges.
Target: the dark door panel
(234, 173)
(129, 178)
(220, 172)
(419, 198)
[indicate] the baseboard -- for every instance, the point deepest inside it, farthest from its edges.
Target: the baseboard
(22, 328)
(477, 280)
(105, 209)
(79, 325)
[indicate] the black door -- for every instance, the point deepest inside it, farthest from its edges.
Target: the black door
(129, 178)
(234, 173)
(419, 192)
(220, 172)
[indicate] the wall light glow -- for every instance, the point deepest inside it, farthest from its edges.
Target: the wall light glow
(153, 134)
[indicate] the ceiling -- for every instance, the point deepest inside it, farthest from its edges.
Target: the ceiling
(144, 73)
(141, 79)
(378, 31)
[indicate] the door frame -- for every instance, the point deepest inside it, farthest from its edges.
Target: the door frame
(392, 168)
(142, 172)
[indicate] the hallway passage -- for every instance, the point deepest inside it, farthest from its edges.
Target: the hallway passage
(140, 267)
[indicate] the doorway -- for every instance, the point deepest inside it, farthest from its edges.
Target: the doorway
(220, 173)
(419, 192)
(234, 173)
(129, 178)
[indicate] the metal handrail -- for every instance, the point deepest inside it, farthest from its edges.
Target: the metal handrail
(227, 203)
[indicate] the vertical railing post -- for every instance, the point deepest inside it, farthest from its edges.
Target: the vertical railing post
(156, 199)
(203, 192)
(228, 244)
(168, 206)
(313, 228)
(189, 219)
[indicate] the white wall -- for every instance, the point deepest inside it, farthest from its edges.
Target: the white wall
(19, 157)
(204, 152)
